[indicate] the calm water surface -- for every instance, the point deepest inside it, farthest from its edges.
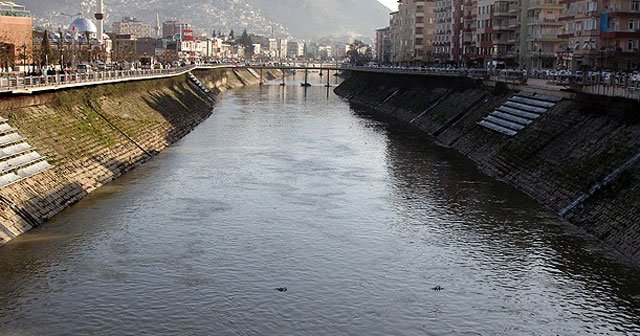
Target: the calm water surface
(358, 218)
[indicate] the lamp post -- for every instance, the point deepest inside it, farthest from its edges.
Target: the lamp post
(539, 58)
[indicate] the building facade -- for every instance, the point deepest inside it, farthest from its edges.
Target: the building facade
(132, 26)
(171, 29)
(413, 25)
(383, 46)
(15, 35)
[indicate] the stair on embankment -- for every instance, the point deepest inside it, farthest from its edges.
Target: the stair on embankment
(18, 159)
(518, 112)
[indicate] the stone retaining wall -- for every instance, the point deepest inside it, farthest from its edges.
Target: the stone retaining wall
(555, 159)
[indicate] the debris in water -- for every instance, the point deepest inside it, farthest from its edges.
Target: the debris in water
(281, 289)
(437, 288)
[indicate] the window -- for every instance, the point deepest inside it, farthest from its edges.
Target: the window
(633, 25)
(591, 6)
(635, 5)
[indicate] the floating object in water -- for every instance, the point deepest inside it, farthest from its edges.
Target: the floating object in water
(437, 288)
(281, 289)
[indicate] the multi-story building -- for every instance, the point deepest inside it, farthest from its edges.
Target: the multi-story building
(132, 26)
(15, 35)
(428, 39)
(383, 46)
(415, 29)
(394, 35)
(174, 28)
(541, 36)
(447, 37)
(621, 35)
(495, 31)
(582, 41)
(469, 52)
(294, 49)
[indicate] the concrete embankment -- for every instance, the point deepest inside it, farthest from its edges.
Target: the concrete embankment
(58, 147)
(577, 154)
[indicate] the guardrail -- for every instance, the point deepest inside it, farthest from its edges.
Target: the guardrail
(18, 83)
(606, 84)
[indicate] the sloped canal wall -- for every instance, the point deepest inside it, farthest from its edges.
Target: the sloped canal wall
(577, 154)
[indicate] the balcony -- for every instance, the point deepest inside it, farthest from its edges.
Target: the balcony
(566, 35)
(501, 27)
(543, 21)
(545, 4)
(623, 9)
(543, 38)
(502, 41)
(501, 11)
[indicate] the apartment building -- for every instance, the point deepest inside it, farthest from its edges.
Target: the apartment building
(394, 35)
(446, 36)
(383, 45)
(414, 27)
(621, 35)
(582, 42)
(542, 31)
(468, 36)
(132, 26)
(526, 33)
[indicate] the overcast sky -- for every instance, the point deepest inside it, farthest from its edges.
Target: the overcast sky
(392, 4)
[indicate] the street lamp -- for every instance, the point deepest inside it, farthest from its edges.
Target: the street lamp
(539, 58)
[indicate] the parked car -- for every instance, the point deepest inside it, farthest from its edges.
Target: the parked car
(84, 68)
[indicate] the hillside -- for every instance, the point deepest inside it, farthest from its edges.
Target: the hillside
(300, 18)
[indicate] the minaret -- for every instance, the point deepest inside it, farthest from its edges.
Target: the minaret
(100, 19)
(158, 28)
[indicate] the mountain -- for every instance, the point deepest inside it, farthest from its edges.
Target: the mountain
(300, 18)
(326, 17)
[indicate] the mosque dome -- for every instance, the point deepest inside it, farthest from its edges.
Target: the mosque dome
(82, 26)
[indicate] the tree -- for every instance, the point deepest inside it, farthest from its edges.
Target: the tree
(246, 42)
(232, 35)
(360, 53)
(46, 54)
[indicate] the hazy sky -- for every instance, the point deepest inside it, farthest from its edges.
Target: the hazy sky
(392, 4)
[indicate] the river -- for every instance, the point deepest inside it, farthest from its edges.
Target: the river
(372, 229)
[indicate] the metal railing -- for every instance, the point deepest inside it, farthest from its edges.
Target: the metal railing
(624, 85)
(15, 83)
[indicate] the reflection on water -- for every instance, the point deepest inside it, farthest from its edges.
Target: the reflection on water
(360, 219)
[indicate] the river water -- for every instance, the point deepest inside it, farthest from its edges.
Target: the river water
(358, 218)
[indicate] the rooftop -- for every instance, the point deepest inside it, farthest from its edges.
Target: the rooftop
(8, 8)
